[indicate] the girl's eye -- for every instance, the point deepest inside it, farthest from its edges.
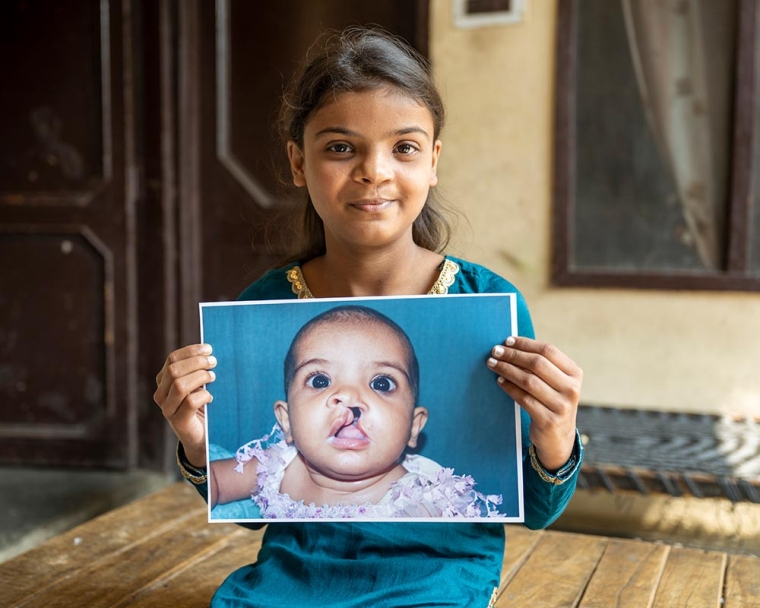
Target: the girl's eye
(406, 149)
(382, 384)
(340, 148)
(318, 381)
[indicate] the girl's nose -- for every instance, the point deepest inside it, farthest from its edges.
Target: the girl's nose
(373, 169)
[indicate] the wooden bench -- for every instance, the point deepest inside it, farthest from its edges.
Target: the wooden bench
(159, 551)
(677, 454)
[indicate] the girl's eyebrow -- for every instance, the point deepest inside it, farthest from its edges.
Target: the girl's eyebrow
(350, 133)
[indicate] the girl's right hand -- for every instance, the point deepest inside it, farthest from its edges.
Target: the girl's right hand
(182, 398)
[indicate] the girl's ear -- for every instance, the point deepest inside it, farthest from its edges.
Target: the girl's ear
(433, 170)
(283, 418)
(419, 420)
(295, 155)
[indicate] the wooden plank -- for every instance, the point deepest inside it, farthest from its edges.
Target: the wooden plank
(556, 572)
(194, 586)
(692, 578)
(114, 579)
(742, 582)
(159, 552)
(66, 555)
(627, 575)
(520, 542)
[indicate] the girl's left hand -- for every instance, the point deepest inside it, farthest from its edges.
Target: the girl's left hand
(547, 384)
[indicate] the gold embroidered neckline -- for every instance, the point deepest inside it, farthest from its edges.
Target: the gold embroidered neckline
(298, 284)
(445, 279)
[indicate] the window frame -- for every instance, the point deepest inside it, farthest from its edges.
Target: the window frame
(737, 274)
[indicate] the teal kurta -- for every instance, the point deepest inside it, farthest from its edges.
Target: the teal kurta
(388, 564)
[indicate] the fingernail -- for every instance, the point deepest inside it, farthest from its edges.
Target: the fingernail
(213, 375)
(491, 362)
(210, 397)
(212, 361)
(498, 351)
(500, 380)
(510, 341)
(205, 349)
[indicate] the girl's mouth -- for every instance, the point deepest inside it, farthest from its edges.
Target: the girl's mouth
(371, 205)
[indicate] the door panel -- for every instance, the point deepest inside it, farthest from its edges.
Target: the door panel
(137, 177)
(63, 235)
(55, 101)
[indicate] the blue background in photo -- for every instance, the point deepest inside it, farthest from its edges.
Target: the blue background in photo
(471, 425)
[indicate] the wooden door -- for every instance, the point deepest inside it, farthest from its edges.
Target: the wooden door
(137, 179)
(67, 244)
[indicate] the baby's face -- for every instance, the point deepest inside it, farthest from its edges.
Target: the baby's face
(350, 409)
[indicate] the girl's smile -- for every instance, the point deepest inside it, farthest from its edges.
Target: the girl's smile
(368, 160)
(371, 205)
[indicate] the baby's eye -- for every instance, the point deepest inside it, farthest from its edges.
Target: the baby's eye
(318, 381)
(382, 384)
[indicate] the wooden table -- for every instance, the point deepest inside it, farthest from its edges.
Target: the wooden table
(160, 552)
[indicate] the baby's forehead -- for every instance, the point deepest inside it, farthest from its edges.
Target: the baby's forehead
(363, 324)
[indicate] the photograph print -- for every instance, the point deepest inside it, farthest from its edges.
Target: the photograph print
(362, 409)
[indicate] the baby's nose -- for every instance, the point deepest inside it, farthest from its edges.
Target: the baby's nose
(356, 412)
(347, 397)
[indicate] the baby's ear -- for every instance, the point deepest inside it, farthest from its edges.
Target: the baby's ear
(283, 418)
(419, 420)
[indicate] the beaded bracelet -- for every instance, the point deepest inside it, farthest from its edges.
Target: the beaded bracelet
(562, 475)
(193, 474)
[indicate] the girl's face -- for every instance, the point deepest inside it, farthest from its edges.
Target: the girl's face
(368, 161)
(350, 409)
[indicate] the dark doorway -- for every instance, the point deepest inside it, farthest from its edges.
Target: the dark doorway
(137, 178)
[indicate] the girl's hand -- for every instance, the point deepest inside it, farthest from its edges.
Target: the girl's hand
(546, 383)
(182, 398)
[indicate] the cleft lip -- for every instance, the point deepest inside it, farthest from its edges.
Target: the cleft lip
(350, 417)
(339, 423)
(345, 419)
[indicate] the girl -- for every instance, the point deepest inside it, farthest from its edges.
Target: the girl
(362, 123)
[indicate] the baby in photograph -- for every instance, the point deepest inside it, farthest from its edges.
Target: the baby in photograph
(338, 448)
